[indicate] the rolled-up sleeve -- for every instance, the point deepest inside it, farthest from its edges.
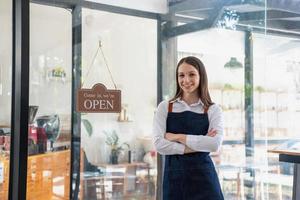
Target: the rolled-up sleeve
(204, 143)
(162, 145)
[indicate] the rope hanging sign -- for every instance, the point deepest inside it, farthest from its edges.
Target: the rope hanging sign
(99, 99)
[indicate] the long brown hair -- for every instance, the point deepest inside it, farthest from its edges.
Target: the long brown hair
(203, 85)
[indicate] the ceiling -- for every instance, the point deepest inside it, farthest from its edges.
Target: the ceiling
(274, 16)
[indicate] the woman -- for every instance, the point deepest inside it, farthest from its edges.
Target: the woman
(186, 129)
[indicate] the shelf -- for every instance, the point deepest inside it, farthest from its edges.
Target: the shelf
(122, 180)
(121, 165)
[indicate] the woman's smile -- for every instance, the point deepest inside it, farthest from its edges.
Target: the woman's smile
(188, 78)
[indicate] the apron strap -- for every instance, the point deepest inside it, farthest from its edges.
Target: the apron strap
(170, 108)
(206, 109)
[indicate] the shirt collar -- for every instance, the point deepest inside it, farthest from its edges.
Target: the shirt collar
(181, 101)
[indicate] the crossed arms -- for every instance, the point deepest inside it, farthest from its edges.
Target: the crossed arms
(169, 143)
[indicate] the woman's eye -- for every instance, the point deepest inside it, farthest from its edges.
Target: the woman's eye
(192, 74)
(181, 75)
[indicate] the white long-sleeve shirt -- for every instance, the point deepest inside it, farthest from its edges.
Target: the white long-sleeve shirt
(198, 143)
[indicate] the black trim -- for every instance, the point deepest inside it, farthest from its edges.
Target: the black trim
(188, 5)
(69, 4)
(268, 31)
(186, 28)
(119, 10)
(214, 14)
(76, 117)
(268, 14)
(20, 101)
(289, 158)
(98, 6)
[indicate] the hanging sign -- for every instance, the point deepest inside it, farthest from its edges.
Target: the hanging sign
(98, 100)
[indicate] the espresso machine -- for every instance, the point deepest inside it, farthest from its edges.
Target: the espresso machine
(48, 129)
(32, 130)
(42, 130)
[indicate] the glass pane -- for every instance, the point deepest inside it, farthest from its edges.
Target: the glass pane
(224, 44)
(276, 104)
(226, 86)
(276, 99)
(5, 93)
(118, 157)
(48, 175)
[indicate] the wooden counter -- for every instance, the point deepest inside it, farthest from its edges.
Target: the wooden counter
(287, 152)
(48, 176)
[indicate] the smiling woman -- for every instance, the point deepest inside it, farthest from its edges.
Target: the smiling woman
(186, 129)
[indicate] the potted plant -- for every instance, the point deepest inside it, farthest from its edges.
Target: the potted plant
(112, 140)
(88, 126)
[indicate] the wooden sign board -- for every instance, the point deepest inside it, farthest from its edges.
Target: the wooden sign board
(98, 100)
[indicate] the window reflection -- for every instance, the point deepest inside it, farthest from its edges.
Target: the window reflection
(118, 158)
(274, 108)
(5, 93)
(48, 171)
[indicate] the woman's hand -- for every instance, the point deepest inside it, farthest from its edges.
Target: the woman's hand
(211, 133)
(176, 137)
(171, 137)
(182, 137)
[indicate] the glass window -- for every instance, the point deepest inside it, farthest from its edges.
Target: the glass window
(276, 103)
(48, 175)
(242, 32)
(226, 86)
(273, 111)
(5, 93)
(118, 158)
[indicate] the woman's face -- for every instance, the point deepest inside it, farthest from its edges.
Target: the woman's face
(188, 78)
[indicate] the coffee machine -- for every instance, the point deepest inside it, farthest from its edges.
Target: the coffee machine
(41, 130)
(32, 129)
(48, 129)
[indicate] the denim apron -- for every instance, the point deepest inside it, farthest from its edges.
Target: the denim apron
(190, 176)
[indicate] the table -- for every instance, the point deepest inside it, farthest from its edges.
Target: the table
(126, 179)
(291, 157)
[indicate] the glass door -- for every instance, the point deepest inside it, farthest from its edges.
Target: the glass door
(5, 93)
(118, 158)
(251, 57)
(49, 129)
